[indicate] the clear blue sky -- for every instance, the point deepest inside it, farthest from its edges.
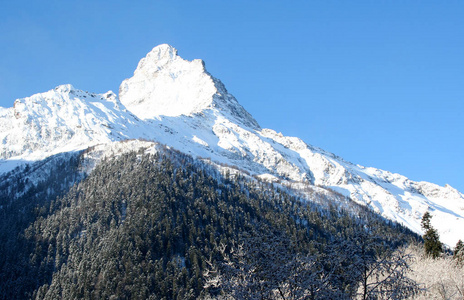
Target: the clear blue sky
(379, 83)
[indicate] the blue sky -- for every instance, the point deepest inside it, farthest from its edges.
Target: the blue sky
(379, 83)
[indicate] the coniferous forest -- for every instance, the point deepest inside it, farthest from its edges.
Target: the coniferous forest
(167, 226)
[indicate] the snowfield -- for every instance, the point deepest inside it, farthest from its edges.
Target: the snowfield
(178, 103)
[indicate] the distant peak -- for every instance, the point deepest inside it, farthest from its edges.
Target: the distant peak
(64, 88)
(158, 57)
(162, 51)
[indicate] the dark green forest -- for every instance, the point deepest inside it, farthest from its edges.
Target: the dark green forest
(167, 226)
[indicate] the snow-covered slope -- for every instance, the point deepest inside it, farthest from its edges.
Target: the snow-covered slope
(63, 119)
(178, 103)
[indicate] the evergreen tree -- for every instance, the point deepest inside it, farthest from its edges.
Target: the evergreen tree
(458, 252)
(432, 244)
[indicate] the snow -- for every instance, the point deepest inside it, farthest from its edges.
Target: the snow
(178, 103)
(199, 141)
(113, 149)
(164, 84)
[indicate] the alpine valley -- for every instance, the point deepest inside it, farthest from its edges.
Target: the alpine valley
(53, 144)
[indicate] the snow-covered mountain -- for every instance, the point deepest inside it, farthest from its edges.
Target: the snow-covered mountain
(178, 103)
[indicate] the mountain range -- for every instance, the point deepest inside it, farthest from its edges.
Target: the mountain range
(177, 103)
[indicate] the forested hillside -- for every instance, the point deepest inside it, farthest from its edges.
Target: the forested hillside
(167, 226)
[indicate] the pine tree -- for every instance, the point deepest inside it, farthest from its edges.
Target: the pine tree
(458, 252)
(432, 244)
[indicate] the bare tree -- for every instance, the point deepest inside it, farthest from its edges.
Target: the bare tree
(387, 278)
(441, 278)
(374, 268)
(266, 266)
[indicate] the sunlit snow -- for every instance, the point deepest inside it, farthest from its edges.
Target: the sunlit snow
(176, 102)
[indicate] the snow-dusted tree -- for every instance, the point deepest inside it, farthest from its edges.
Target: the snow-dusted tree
(378, 271)
(237, 277)
(440, 278)
(432, 244)
(266, 266)
(387, 278)
(316, 277)
(458, 252)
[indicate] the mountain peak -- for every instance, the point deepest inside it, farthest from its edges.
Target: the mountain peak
(158, 56)
(165, 48)
(64, 88)
(164, 84)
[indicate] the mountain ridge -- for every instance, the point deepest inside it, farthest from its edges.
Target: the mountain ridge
(178, 103)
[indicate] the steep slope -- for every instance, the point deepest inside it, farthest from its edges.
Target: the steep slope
(147, 224)
(178, 103)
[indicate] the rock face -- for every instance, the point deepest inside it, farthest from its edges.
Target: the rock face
(178, 103)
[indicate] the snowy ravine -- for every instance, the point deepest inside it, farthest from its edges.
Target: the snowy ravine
(178, 103)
